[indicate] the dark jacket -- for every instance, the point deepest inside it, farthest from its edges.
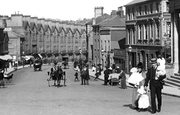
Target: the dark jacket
(150, 76)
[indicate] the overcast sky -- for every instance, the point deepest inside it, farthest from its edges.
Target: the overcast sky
(59, 9)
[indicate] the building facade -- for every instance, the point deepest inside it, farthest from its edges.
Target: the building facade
(175, 17)
(50, 37)
(107, 37)
(148, 29)
(4, 39)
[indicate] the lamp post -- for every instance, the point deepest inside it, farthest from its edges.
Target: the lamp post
(108, 59)
(130, 63)
(102, 53)
(80, 51)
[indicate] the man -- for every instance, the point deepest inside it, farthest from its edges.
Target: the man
(106, 75)
(155, 86)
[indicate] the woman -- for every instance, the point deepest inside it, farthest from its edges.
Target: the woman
(122, 76)
(142, 74)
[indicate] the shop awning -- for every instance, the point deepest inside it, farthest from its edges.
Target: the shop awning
(6, 57)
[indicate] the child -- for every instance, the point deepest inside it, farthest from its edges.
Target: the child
(143, 99)
(76, 76)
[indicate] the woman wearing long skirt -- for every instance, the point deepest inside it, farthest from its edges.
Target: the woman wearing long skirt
(123, 79)
(137, 76)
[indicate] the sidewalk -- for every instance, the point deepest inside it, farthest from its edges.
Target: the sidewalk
(167, 90)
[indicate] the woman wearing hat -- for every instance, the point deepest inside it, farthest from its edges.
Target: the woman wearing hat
(137, 77)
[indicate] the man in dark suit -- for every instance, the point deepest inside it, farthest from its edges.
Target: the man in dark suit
(106, 75)
(156, 86)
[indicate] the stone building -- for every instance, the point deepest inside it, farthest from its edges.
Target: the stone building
(107, 36)
(175, 17)
(48, 37)
(148, 28)
(4, 39)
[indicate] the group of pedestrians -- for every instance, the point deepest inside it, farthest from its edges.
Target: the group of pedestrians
(56, 74)
(147, 86)
(84, 74)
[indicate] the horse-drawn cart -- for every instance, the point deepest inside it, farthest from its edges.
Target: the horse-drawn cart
(65, 62)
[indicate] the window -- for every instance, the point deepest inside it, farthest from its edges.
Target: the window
(151, 8)
(140, 10)
(128, 14)
(151, 31)
(133, 13)
(168, 28)
(157, 7)
(129, 35)
(146, 33)
(167, 6)
(145, 10)
(157, 27)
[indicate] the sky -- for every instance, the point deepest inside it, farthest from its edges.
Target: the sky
(59, 9)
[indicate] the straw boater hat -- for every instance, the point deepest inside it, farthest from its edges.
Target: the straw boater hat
(153, 61)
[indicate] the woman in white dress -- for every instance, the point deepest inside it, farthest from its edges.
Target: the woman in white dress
(135, 78)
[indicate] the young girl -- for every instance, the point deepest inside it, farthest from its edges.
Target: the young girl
(76, 76)
(143, 99)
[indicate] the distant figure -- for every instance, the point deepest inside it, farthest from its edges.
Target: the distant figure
(106, 76)
(123, 79)
(76, 76)
(1, 77)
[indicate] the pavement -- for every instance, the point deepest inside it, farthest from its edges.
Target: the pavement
(167, 90)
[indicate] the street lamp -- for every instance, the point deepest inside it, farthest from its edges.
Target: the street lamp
(130, 50)
(80, 51)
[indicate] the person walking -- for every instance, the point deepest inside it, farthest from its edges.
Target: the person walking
(87, 75)
(106, 76)
(156, 86)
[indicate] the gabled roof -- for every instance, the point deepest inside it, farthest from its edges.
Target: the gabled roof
(32, 25)
(39, 26)
(101, 18)
(53, 28)
(135, 2)
(76, 30)
(115, 21)
(61, 29)
(25, 24)
(46, 28)
(82, 30)
(68, 30)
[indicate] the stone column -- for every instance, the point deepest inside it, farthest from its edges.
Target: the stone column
(176, 45)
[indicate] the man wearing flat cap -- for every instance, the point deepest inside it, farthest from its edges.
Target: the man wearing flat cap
(155, 86)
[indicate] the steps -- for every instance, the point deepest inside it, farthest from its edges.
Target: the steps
(173, 81)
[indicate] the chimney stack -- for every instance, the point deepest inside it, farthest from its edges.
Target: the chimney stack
(120, 12)
(98, 11)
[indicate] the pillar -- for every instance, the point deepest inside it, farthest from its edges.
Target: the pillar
(176, 45)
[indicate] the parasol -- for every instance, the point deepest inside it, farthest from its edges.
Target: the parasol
(135, 78)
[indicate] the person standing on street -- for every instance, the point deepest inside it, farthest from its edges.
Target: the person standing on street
(156, 86)
(122, 78)
(106, 76)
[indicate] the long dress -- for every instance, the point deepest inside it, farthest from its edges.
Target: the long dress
(123, 81)
(135, 79)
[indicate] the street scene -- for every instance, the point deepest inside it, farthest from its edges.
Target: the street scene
(90, 57)
(28, 93)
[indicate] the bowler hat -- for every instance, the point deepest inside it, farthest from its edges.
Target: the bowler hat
(153, 61)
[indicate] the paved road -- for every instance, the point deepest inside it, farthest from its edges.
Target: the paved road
(29, 94)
